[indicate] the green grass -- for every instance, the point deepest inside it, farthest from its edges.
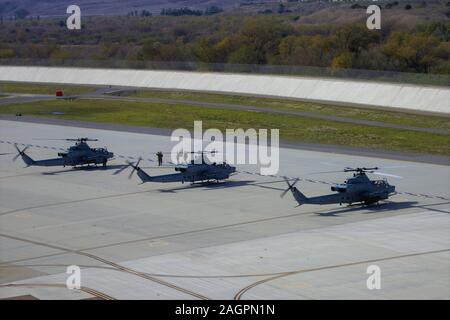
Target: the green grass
(291, 128)
(31, 88)
(399, 118)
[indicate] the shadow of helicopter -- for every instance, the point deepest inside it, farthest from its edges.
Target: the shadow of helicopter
(83, 168)
(209, 185)
(383, 207)
(223, 185)
(374, 208)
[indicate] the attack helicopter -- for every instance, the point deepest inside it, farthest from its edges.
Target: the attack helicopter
(357, 189)
(191, 172)
(77, 155)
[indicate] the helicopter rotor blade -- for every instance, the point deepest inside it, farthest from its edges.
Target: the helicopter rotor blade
(18, 152)
(17, 148)
(80, 139)
(67, 139)
(323, 172)
(139, 160)
(121, 169)
(132, 171)
(386, 174)
(291, 186)
(135, 167)
(284, 192)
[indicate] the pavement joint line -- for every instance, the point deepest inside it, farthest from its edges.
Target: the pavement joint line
(88, 290)
(110, 263)
(256, 173)
(166, 236)
(241, 292)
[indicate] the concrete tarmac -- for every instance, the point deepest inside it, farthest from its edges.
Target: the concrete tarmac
(233, 240)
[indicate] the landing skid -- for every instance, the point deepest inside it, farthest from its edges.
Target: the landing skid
(88, 166)
(203, 182)
(364, 204)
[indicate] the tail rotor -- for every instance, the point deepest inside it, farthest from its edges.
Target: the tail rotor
(129, 164)
(291, 186)
(135, 167)
(19, 152)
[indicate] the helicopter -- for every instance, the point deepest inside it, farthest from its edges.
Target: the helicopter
(79, 154)
(357, 189)
(191, 172)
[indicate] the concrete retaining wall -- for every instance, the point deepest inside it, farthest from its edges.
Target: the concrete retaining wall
(388, 95)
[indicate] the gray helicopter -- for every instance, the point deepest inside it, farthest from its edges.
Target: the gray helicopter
(357, 189)
(77, 155)
(191, 172)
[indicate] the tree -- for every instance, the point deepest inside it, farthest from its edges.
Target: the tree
(156, 51)
(314, 50)
(354, 39)
(343, 60)
(244, 55)
(411, 52)
(204, 51)
(264, 36)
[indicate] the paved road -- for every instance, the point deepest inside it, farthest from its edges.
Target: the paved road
(24, 99)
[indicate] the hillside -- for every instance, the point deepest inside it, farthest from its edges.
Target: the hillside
(318, 11)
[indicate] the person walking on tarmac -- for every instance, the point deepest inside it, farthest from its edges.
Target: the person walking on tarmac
(159, 154)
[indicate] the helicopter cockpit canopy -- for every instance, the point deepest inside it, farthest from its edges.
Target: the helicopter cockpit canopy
(102, 150)
(380, 182)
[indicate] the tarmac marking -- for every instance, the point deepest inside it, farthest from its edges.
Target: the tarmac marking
(241, 292)
(110, 263)
(72, 201)
(172, 235)
(88, 290)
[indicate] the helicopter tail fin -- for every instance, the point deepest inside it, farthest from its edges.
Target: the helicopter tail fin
(143, 175)
(299, 197)
(28, 161)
